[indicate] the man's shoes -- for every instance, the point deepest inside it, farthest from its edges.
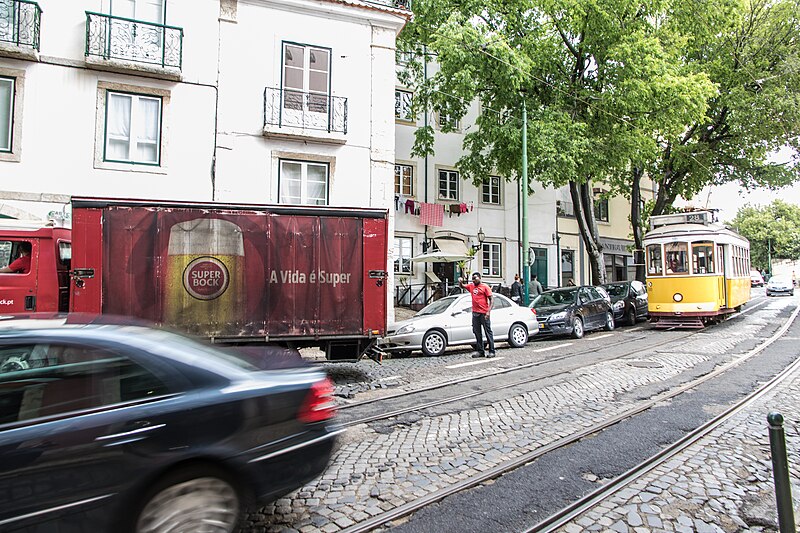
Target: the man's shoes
(476, 355)
(490, 354)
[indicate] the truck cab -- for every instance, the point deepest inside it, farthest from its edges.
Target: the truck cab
(45, 287)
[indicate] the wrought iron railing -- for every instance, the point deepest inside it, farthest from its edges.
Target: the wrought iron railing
(400, 4)
(20, 22)
(296, 109)
(126, 39)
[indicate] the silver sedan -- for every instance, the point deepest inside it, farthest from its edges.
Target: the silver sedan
(448, 322)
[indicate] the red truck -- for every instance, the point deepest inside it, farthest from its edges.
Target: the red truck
(291, 275)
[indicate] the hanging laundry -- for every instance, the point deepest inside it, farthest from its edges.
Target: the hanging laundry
(410, 206)
(455, 208)
(431, 214)
(462, 208)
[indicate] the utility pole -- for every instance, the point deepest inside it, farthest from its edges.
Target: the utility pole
(769, 254)
(526, 265)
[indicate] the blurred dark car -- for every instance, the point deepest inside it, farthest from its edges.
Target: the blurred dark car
(128, 428)
(628, 301)
(573, 311)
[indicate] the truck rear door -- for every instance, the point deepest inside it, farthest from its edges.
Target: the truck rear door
(18, 290)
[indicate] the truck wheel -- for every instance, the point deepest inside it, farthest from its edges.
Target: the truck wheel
(609, 321)
(434, 343)
(191, 499)
(577, 328)
(518, 336)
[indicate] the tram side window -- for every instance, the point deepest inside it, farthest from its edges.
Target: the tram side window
(702, 257)
(654, 263)
(677, 256)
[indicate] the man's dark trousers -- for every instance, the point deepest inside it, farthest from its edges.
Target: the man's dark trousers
(480, 323)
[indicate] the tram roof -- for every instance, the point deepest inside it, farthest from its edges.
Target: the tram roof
(716, 232)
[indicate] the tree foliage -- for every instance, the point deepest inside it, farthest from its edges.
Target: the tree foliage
(772, 230)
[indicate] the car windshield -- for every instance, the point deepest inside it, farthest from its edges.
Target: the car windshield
(559, 297)
(437, 307)
(617, 291)
(779, 279)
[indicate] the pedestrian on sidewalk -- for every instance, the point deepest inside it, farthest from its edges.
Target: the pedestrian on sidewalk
(481, 307)
(536, 287)
(516, 290)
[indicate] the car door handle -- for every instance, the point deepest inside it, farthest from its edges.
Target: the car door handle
(115, 439)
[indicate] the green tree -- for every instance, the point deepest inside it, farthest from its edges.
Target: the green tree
(602, 81)
(773, 230)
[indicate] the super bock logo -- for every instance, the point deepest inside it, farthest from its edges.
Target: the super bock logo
(206, 278)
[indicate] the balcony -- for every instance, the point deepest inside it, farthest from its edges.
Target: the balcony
(399, 4)
(20, 27)
(295, 114)
(133, 44)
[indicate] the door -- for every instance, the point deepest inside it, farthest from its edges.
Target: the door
(306, 86)
(539, 266)
(459, 320)
(67, 412)
(18, 289)
(639, 294)
(502, 316)
(138, 34)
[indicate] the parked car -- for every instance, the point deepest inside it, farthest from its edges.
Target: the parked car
(628, 301)
(125, 427)
(448, 322)
(780, 284)
(573, 311)
(756, 280)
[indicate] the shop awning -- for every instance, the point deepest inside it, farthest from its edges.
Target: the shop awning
(449, 251)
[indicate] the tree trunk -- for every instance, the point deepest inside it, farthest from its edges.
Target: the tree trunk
(583, 200)
(636, 222)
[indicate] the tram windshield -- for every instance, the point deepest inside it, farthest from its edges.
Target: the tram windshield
(654, 263)
(702, 257)
(677, 256)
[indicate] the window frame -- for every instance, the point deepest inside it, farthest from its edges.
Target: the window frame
(399, 256)
(304, 179)
(448, 174)
(306, 75)
(11, 106)
(445, 122)
(399, 179)
(486, 190)
(601, 213)
(135, 96)
(492, 259)
(680, 248)
(400, 105)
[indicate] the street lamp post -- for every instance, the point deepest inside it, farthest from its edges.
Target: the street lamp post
(526, 266)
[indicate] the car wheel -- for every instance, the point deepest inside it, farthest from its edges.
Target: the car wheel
(609, 321)
(631, 316)
(194, 499)
(518, 336)
(577, 328)
(434, 343)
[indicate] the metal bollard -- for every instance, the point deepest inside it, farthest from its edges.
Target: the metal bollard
(780, 471)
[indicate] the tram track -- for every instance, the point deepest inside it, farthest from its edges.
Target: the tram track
(575, 509)
(548, 375)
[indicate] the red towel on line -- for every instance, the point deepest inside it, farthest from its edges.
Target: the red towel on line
(431, 214)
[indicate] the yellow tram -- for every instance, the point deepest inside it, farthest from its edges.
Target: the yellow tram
(698, 271)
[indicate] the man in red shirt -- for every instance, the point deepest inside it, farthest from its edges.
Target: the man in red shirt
(22, 264)
(481, 307)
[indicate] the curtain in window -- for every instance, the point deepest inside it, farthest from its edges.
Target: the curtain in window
(118, 127)
(147, 145)
(6, 112)
(317, 184)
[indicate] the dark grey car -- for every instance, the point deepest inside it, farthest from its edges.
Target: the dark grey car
(628, 301)
(573, 311)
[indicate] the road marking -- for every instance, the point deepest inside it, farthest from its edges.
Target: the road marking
(557, 346)
(635, 329)
(603, 336)
(390, 377)
(480, 362)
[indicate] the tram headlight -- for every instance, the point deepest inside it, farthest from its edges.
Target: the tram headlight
(678, 297)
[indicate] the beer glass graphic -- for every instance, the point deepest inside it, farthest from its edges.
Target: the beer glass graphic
(204, 277)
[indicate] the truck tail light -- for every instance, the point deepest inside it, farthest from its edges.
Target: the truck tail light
(319, 404)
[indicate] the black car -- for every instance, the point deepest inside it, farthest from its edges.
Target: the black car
(109, 427)
(573, 311)
(628, 300)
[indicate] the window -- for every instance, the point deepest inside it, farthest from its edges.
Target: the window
(702, 257)
(567, 266)
(404, 180)
(6, 113)
(491, 259)
(565, 208)
(403, 247)
(11, 252)
(303, 182)
(306, 71)
(677, 257)
(655, 266)
(449, 122)
(491, 191)
(448, 185)
(601, 209)
(43, 380)
(144, 10)
(499, 303)
(616, 267)
(402, 105)
(133, 128)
